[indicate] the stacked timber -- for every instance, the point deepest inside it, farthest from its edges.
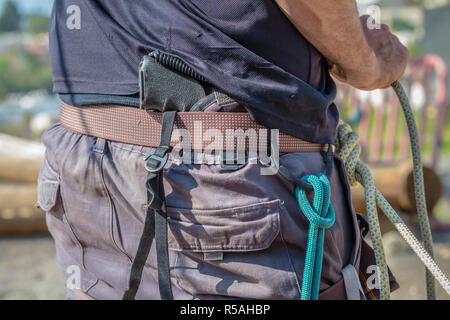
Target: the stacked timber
(20, 161)
(396, 183)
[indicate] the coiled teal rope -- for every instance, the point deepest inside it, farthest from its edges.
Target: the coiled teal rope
(321, 216)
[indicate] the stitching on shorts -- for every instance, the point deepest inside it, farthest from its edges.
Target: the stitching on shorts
(115, 144)
(178, 279)
(100, 159)
(297, 279)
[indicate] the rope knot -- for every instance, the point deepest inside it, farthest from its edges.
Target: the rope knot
(321, 214)
(349, 149)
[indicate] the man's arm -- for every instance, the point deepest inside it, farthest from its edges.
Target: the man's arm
(366, 59)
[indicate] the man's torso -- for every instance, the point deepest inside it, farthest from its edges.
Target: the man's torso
(248, 49)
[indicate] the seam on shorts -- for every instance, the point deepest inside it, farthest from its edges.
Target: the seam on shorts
(118, 146)
(100, 158)
(66, 216)
(178, 278)
(296, 276)
(90, 287)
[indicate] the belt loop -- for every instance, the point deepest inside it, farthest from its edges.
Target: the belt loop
(328, 159)
(352, 285)
(99, 146)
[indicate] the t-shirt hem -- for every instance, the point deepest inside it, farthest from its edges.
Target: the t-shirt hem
(68, 87)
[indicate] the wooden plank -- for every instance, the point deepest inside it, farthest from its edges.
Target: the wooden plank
(18, 214)
(20, 160)
(395, 182)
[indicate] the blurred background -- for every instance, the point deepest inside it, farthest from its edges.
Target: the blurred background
(27, 107)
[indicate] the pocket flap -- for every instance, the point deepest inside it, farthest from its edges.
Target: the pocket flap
(48, 187)
(47, 193)
(247, 228)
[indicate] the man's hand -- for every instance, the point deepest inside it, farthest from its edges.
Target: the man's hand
(364, 58)
(392, 56)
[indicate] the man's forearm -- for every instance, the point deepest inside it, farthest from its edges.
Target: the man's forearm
(333, 27)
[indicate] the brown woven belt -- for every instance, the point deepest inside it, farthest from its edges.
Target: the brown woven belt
(140, 127)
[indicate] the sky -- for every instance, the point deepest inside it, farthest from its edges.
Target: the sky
(32, 6)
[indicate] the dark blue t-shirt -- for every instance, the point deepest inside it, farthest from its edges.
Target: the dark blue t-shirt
(246, 48)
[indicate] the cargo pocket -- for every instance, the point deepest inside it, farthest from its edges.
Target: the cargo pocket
(49, 200)
(231, 252)
(48, 187)
(69, 252)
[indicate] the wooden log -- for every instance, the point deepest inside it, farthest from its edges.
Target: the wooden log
(20, 160)
(396, 183)
(18, 214)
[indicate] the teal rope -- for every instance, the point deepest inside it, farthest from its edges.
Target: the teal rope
(321, 216)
